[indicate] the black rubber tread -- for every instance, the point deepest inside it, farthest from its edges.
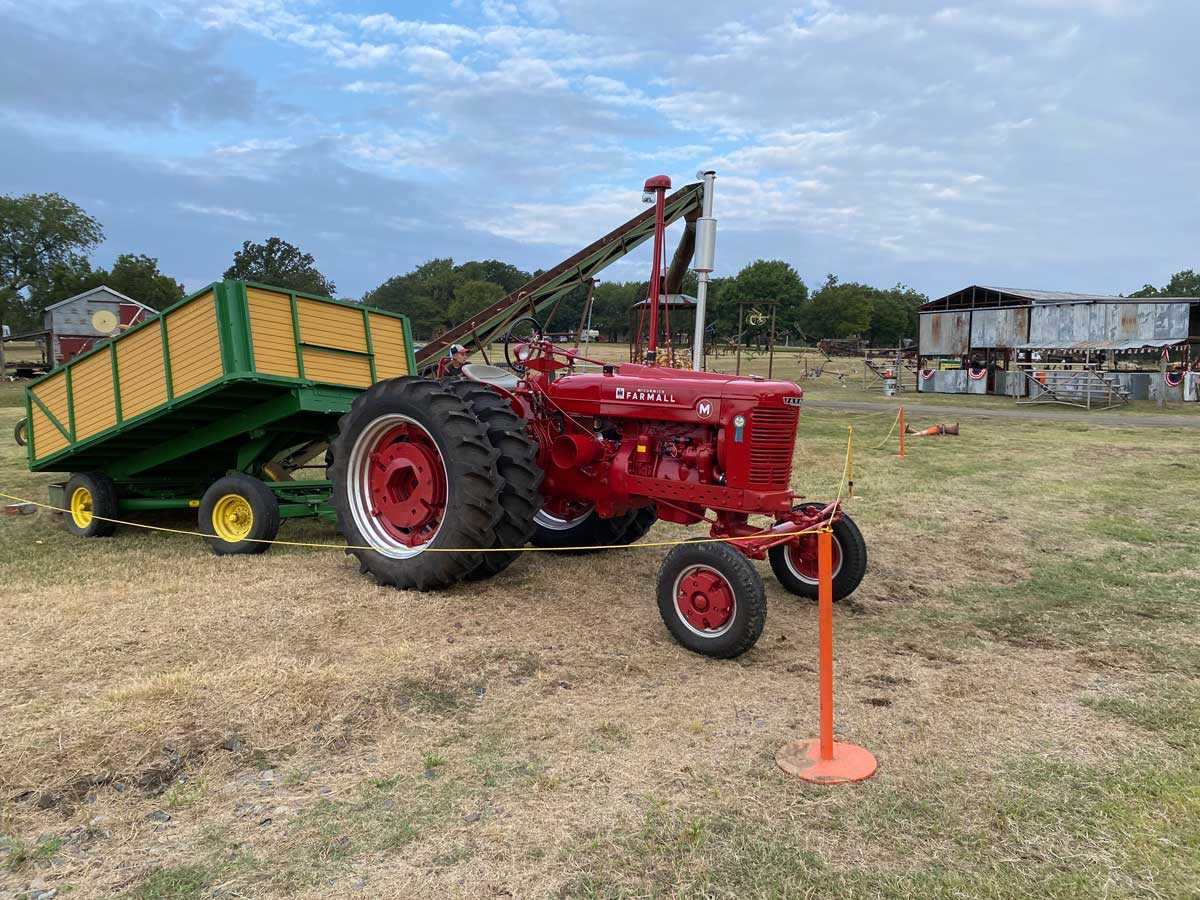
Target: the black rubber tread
(517, 465)
(104, 503)
(854, 562)
(750, 611)
(639, 522)
(472, 503)
(591, 532)
(21, 431)
(263, 504)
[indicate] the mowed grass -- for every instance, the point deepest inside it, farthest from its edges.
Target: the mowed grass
(1022, 658)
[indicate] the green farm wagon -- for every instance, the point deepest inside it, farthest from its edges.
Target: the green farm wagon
(204, 406)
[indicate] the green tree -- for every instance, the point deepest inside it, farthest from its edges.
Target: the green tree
(763, 279)
(839, 309)
(134, 275)
(37, 233)
(278, 263)
(1182, 284)
(137, 276)
(894, 315)
(472, 296)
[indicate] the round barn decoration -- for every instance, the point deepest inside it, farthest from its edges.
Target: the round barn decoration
(978, 374)
(1173, 379)
(927, 374)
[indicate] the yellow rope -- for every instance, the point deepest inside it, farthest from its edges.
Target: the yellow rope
(889, 434)
(528, 549)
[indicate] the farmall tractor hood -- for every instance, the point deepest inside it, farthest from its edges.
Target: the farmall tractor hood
(635, 390)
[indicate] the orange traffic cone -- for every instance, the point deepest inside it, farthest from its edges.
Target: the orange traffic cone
(932, 430)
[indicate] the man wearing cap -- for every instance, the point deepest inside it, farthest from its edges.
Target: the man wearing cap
(451, 365)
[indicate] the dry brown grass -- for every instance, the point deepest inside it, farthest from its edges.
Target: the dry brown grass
(1011, 659)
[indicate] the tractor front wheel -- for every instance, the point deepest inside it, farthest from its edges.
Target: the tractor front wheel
(795, 564)
(712, 599)
(239, 515)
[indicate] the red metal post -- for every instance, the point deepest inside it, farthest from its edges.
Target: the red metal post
(659, 184)
(825, 627)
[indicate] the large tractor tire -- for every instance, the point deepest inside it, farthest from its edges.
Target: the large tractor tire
(517, 466)
(414, 478)
(91, 498)
(589, 530)
(711, 599)
(239, 514)
(795, 564)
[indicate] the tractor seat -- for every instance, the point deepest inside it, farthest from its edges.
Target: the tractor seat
(501, 378)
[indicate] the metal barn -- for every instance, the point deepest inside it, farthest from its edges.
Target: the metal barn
(989, 340)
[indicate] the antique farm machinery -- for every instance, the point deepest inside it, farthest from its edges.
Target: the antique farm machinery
(576, 454)
(218, 403)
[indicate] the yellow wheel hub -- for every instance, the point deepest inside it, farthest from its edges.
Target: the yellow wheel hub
(232, 518)
(81, 507)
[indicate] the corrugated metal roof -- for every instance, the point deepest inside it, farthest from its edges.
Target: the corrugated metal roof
(1025, 296)
(1104, 345)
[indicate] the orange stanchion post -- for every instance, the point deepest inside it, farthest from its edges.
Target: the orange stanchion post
(902, 432)
(824, 760)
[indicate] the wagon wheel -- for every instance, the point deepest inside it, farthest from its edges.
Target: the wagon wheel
(239, 515)
(91, 499)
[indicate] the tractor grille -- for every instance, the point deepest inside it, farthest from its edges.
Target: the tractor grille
(772, 442)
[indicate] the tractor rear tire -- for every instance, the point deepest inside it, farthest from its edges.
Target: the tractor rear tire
(640, 521)
(589, 531)
(90, 497)
(712, 599)
(518, 468)
(798, 574)
(238, 515)
(414, 447)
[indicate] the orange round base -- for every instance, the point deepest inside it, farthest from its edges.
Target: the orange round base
(803, 759)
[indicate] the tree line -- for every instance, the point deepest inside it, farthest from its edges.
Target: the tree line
(45, 240)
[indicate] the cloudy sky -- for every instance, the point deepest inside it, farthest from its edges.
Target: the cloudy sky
(1031, 143)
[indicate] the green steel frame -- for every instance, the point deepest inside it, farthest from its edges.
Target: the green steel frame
(164, 458)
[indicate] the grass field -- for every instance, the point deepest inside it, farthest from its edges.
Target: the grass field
(1023, 658)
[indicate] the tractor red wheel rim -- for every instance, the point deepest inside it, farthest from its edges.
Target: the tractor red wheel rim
(705, 600)
(406, 484)
(802, 558)
(559, 513)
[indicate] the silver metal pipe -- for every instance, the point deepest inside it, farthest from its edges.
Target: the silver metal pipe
(705, 255)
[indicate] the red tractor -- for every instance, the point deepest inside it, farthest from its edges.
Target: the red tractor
(572, 454)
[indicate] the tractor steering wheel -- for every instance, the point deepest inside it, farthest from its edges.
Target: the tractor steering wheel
(535, 334)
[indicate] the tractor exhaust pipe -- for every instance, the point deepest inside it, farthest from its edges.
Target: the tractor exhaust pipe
(706, 250)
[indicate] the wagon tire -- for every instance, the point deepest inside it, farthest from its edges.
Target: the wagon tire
(90, 497)
(238, 515)
(21, 432)
(711, 599)
(796, 570)
(517, 466)
(412, 470)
